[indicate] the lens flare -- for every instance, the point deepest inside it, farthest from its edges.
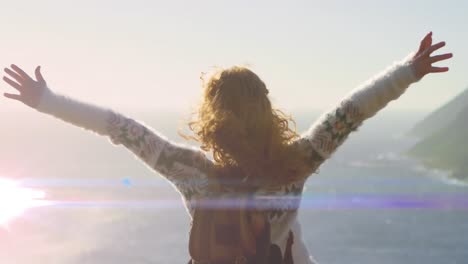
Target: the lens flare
(15, 200)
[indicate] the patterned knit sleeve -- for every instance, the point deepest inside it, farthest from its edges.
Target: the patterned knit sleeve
(333, 128)
(184, 166)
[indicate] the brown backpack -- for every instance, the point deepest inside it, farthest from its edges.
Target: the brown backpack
(229, 231)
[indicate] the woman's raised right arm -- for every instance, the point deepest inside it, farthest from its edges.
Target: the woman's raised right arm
(330, 131)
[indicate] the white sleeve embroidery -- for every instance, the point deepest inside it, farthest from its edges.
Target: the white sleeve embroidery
(186, 167)
(333, 127)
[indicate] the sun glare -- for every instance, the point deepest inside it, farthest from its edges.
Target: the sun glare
(15, 200)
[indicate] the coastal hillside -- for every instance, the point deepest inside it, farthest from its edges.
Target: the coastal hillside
(441, 117)
(446, 148)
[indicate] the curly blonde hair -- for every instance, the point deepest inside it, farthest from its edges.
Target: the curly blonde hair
(247, 135)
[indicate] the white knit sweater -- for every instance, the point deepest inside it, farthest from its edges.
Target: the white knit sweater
(185, 167)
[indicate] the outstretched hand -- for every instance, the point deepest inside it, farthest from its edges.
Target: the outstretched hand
(30, 90)
(422, 60)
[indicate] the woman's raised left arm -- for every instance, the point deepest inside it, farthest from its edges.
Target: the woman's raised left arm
(186, 167)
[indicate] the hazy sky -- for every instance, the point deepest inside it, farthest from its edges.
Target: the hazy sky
(149, 54)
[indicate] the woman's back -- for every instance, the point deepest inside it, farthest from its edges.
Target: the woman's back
(237, 123)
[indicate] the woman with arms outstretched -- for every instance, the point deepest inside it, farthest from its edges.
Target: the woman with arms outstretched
(249, 139)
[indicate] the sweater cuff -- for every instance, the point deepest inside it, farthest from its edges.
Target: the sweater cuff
(406, 70)
(78, 113)
(47, 102)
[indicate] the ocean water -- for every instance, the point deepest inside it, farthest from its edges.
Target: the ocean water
(367, 204)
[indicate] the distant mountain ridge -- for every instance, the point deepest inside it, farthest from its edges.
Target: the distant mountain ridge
(441, 117)
(444, 133)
